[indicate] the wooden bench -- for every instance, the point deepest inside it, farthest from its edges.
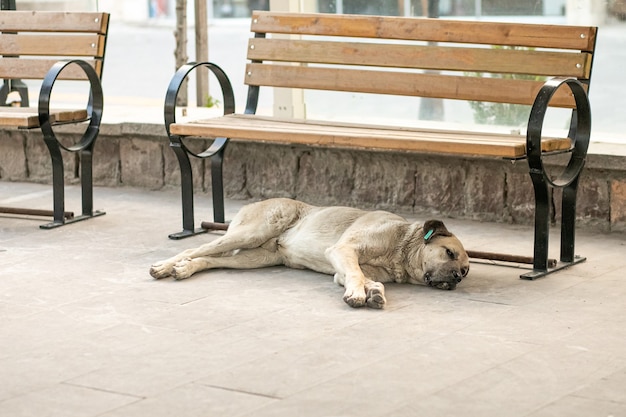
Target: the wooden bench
(51, 46)
(419, 57)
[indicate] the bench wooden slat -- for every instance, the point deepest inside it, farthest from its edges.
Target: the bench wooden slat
(37, 21)
(49, 45)
(29, 69)
(422, 57)
(402, 83)
(431, 30)
(28, 117)
(319, 133)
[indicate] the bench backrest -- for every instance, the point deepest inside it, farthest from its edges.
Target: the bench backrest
(31, 42)
(467, 60)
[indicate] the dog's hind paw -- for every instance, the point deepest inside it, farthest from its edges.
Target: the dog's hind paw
(182, 269)
(160, 270)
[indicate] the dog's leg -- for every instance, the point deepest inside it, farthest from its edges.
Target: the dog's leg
(243, 259)
(345, 261)
(252, 227)
(240, 238)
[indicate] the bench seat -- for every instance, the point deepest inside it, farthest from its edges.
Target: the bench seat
(350, 135)
(28, 117)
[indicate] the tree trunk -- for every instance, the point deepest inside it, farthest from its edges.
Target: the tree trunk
(180, 34)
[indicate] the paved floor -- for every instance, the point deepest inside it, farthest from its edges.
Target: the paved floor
(86, 332)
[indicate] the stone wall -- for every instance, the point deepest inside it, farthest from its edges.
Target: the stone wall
(138, 155)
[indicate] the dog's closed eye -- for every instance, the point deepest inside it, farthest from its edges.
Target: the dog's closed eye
(450, 254)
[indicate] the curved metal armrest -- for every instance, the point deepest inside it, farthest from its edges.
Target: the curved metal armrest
(94, 106)
(177, 81)
(172, 94)
(579, 132)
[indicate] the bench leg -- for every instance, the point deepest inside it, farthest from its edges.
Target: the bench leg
(58, 187)
(86, 184)
(542, 222)
(568, 226)
(216, 154)
(217, 185)
(186, 187)
(60, 217)
(542, 228)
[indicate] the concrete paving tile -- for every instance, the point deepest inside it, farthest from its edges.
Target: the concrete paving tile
(193, 400)
(113, 308)
(569, 406)
(293, 369)
(520, 386)
(12, 311)
(64, 401)
(50, 360)
(299, 367)
(148, 375)
(42, 328)
(170, 358)
(377, 387)
(573, 406)
(609, 388)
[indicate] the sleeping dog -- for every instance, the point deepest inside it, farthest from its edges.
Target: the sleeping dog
(362, 249)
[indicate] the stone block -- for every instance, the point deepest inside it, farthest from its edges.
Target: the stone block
(39, 162)
(325, 176)
(519, 194)
(269, 171)
(171, 171)
(484, 191)
(234, 170)
(593, 199)
(384, 181)
(439, 185)
(106, 162)
(618, 205)
(13, 156)
(141, 163)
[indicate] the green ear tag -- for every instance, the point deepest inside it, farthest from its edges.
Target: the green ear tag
(429, 234)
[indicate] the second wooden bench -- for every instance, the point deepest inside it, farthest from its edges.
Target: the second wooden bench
(51, 46)
(432, 58)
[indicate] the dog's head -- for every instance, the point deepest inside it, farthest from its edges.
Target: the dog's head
(439, 257)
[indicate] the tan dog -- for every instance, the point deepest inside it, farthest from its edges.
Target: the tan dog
(362, 249)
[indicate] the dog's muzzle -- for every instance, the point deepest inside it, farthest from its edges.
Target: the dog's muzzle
(448, 284)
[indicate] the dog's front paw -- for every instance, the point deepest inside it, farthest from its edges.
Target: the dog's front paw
(354, 298)
(161, 270)
(376, 297)
(182, 269)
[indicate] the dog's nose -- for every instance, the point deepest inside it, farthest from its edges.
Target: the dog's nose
(457, 276)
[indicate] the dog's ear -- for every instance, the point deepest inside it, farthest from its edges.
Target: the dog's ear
(434, 228)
